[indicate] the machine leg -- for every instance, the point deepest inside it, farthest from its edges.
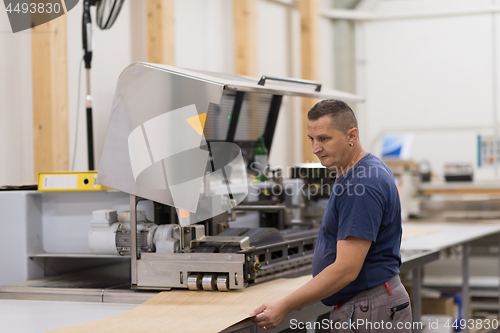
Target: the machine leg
(416, 298)
(133, 245)
(465, 284)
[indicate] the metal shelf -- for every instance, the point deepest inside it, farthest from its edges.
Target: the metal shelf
(74, 255)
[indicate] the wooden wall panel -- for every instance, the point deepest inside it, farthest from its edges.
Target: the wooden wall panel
(309, 25)
(245, 37)
(50, 96)
(160, 29)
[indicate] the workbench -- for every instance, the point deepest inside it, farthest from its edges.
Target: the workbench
(422, 249)
(429, 241)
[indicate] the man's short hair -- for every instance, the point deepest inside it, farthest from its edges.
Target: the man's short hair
(342, 116)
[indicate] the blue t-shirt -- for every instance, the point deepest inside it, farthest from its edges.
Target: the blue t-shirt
(364, 203)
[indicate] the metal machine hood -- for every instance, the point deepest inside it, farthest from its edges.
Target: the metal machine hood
(235, 109)
(268, 85)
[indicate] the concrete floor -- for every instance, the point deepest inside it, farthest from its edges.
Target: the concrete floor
(20, 316)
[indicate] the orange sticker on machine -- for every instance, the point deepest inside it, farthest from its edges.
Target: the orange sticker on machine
(183, 213)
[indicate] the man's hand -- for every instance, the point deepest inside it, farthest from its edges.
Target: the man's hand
(351, 254)
(270, 315)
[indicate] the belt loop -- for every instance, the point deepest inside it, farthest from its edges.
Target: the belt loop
(388, 288)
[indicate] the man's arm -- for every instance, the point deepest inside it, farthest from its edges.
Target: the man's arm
(351, 254)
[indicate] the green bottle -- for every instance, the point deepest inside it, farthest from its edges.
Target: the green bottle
(260, 159)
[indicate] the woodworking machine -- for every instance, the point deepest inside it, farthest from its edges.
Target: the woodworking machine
(237, 231)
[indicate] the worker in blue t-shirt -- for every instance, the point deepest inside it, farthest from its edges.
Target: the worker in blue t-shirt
(356, 260)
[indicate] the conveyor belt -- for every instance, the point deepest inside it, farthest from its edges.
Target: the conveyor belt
(258, 237)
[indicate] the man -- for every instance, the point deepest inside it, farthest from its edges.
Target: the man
(356, 260)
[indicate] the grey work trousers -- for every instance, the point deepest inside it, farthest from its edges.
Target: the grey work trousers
(375, 311)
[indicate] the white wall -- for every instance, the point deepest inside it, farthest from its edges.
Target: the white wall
(433, 77)
(274, 58)
(204, 35)
(203, 40)
(430, 76)
(112, 53)
(16, 130)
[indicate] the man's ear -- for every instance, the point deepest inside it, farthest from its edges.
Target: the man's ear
(352, 134)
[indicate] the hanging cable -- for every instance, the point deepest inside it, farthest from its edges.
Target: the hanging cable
(107, 12)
